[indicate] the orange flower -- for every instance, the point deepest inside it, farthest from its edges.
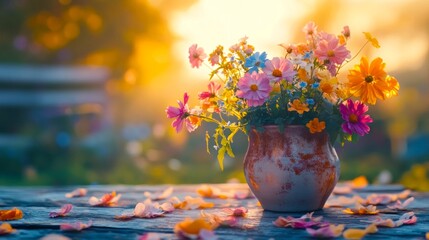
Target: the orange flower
(10, 214)
(371, 39)
(296, 105)
(316, 126)
(393, 86)
(6, 228)
(368, 81)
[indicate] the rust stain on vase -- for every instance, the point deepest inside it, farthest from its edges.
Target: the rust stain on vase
(292, 170)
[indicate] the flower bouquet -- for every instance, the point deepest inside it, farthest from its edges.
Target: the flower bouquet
(308, 85)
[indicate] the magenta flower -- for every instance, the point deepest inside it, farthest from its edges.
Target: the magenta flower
(278, 69)
(196, 56)
(329, 50)
(213, 89)
(255, 88)
(355, 118)
(181, 114)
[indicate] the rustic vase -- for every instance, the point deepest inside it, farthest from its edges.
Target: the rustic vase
(291, 171)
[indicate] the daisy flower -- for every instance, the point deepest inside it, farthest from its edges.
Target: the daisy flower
(256, 61)
(255, 88)
(196, 56)
(278, 69)
(181, 114)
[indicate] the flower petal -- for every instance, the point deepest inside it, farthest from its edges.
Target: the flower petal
(77, 226)
(62, 212)
(10, 214)
(79, 192)
(159, 195)
(6, 228)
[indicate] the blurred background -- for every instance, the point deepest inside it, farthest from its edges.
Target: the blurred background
(84, 85)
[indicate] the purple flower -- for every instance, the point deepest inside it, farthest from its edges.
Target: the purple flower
(355, 118)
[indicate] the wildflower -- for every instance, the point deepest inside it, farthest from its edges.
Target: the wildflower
(255, 88)
(346, 31)
(309, 101)
(315, 126)
(328, 48)
(368, 81)
(392, 86)
(310, 29)
(303, 84)
(256, 61)
(215, 55)
(353, 113)
(296, 105)
(278, 69)
(327, 87)
(371, 39)
(213, 89)
(181, 114)
(196, 56)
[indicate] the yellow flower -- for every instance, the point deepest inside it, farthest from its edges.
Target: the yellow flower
(302, 74)
(328, 88)
(316, 126)
(371, 39)
(368, 81)
(393, 86)
(298, 106)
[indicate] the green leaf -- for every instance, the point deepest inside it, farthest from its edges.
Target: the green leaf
(221, 157)
(207, 141)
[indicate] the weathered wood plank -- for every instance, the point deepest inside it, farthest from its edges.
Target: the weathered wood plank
(37, 202)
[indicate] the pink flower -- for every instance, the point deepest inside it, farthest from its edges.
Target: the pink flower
(330, 51)
(346, 31)
(310, 29)
(353, 113)
(196, 56)
(255, 88)
(181, 114)
(278, 69)
(212, 92)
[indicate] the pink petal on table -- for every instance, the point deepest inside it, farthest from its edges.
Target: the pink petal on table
(167, 207)
(407, 219)
(108, 199)
(329, 231)
(342, 201)
(207, 235)
(398, 205)
(80, 192)
(55, 237)
(77, 226)
(404, 194)
(218, 220)
(377, 199)
(341, 190)
(159, 195)
(239, 195)
(147, 210)
(303, 222)
(236, 212)
(62, 212)
(150, 236)
(125, 216)
(381, 222)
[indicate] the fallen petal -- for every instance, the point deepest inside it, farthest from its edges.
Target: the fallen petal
(10, 214)
(407, 218)
(207, 235)
(236, 212)
(108, 199)
(6, 228)
(380, 222)
(329, 231)
(359, 233)
(125, 216)
(361, 210)
(147, 210)
(62, 212)
(159, 195)
(398, 205)
(77, 226)
(150, 236)
(80, 192)
(55, 237)
(191, 228)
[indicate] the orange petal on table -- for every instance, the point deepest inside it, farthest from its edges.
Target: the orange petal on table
(342, 201)
(376, 199)
(66, 208)
(353, 233)
(359, 182)
(398, 205)
(193, 228)
(194, 203)
(6, 228)
(361, 210)
(341, 190)
(80, 192)
(427, 236)
(77, 226)
(10, 214)
(329, 231)
(404, 194)
(380, 222)
(217, 220)
(125, 216)
(211, 192)
(108, 199)
(159, 195)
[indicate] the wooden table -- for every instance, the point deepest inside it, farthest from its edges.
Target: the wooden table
(37, 202)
